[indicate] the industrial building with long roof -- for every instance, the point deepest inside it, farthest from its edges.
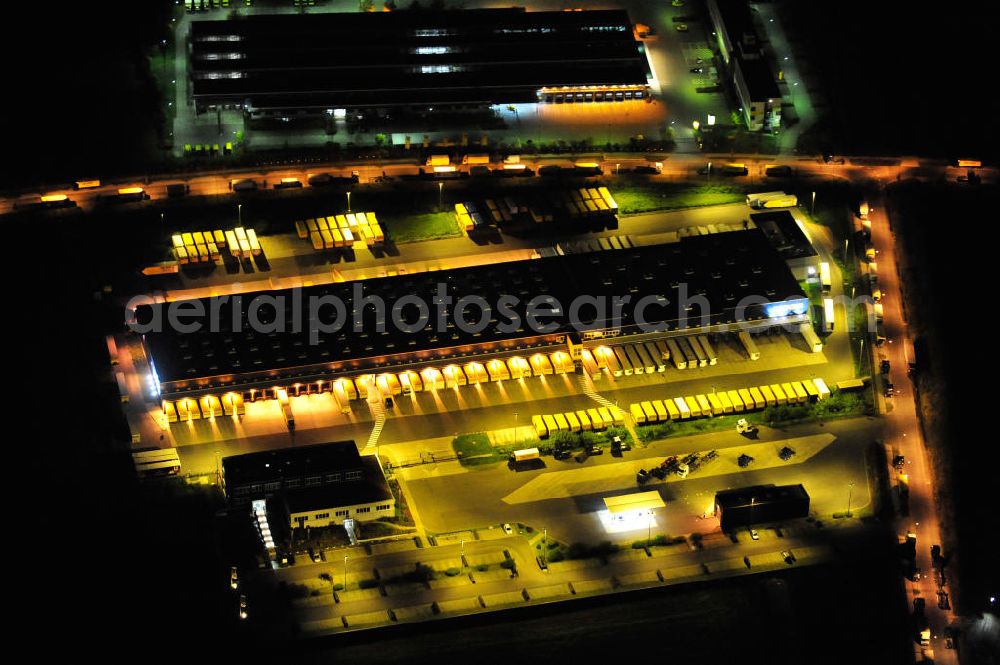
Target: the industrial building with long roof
(725, 271)
(288, 64)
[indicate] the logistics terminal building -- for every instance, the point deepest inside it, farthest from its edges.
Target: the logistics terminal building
(699, 285)
(284, 65)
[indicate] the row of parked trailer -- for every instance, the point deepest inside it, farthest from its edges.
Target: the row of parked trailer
(207, 246)
(584, 420)
(652, 356)
(729, 401)
(585, 204)
(388, 384)
(207, 406)
(335, 231)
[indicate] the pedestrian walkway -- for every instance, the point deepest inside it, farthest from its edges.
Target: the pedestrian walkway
(588, 389)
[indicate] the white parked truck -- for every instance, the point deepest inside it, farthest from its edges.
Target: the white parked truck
(525, 455)
(785, 201)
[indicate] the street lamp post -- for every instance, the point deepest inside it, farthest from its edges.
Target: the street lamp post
(515, 427)
(440, 195)
(345, 573)
(850, 491)
(812, 208)
(239, 213)
(545, 537)
(348, 202)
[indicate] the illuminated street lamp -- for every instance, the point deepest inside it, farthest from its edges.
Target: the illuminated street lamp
(850, 491)
(239, 213)
(345, 573)
(440, 195)
(348, 201)
(545, 537)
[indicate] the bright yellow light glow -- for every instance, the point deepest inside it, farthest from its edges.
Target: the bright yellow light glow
(54, 198)
(130, 190)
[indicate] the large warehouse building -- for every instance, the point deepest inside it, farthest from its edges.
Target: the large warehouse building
(761, 504)
(701, 284)
(283, 65)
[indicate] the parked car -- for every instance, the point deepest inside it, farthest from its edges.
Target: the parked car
(234, 580)
(883, 366)
(595, 450)
(507, 529)
(681, 27)
(788, 557)
(243, 606)
(754, 535)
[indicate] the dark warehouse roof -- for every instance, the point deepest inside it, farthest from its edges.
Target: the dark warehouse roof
(370, 488)
(780, 227)
(285, 463)
(409, 57)
(723, 267)
(760, 495)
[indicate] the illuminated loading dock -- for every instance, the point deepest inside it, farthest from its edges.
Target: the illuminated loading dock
(722, 268)
(285, 65)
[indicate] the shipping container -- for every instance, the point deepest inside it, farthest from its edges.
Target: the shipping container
(727, 405)
(688, 352)
(821, 387)
(672, 411)
(770, 399)
(704, 405)
(748, 344)
(595, 419)
(649, 411)
(541, 431)
(706, 346)
(606, 416)
(617, 415)
(826, 281)
(584, 419)
(633, 358)
(715, 403)
(590, 364)
(682, 407)
(648, 365)
(693, 406)
(698, 351)
(574, 422)
(661, 410)
(800, 392)
(759, 402)
(550, 424)
(811, 391)
(561, 422)
(638, 415)
(654, 353)
(678, 358)
(736, 399)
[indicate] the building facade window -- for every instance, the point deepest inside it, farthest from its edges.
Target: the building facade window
(322, 516)
(366, 509)
(342, 513)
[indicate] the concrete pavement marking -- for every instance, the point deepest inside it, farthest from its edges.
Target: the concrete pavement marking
(549, 591)
(485, 558)
(459, 605)
(602, 585)
(619, 476)
(492, 575)
(367, 618)
(391, 546)
(350, 596)
(504, 598)
(441, 565)
(448, 582)
(640, 578)
(413, 613)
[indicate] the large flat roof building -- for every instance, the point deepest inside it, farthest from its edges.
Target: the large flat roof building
(699, 284)
(750, 70)
(761, 504)
(287, 64)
